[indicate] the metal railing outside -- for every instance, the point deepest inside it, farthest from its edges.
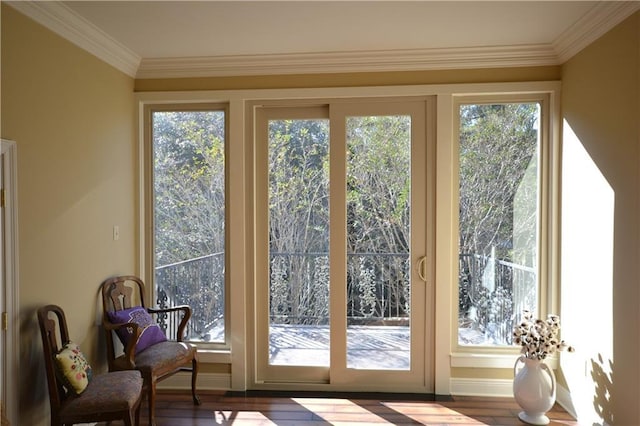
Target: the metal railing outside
(491, 295)
(377, 288)
(199, 283)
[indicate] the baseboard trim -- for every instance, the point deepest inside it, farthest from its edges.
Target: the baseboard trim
(481, 387)
(206, 381)
(459, 386)
(563, 398)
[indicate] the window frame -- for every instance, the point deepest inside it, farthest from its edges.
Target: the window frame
(148, 209)
(488, 356)
(261, 112)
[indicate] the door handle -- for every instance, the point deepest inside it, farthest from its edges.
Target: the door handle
(422, 264)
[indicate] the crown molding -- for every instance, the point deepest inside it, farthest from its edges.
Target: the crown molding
(599, 20)
(360, 61)
(73, 27)
(66, 23)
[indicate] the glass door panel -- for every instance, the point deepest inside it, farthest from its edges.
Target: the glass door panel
(299, 242)
(378, 242)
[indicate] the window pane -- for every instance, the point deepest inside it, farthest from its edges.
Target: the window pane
(499, 219)
(299, 242)
(189, 218)
(378, 241)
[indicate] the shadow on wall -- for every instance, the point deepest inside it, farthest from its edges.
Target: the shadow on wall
(603, 382)
(33, 394)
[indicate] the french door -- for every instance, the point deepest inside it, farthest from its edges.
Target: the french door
(343, 296)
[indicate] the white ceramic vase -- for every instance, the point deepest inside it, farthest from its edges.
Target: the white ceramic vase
(534, 388)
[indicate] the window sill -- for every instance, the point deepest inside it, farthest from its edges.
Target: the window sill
(478, 360)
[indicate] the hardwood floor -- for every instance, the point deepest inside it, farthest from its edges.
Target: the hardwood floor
(252, 408)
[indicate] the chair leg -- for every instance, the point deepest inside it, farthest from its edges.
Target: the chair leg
(152, 402)
(128, 419)
(194, 376)
(138, 409)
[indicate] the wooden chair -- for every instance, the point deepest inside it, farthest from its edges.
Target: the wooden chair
(110, 396)
(158, 361)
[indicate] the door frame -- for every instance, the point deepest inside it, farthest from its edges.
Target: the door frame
(9, 278)
(315, 380)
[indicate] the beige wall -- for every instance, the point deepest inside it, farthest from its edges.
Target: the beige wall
(600, 246)
(72, 117)
(548, 73)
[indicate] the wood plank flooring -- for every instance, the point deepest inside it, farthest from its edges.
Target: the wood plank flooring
(219, 408)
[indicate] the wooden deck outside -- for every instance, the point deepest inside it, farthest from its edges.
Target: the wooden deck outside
(368, 347)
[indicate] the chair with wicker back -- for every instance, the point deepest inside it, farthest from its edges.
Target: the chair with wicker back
(75, 394)
(146, 347)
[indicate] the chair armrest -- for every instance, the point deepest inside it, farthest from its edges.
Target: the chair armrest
(183, 321)
(185, 308)
(130, 348)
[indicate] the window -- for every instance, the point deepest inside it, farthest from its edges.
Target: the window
(307, 162)
(187, 151)
(499, 170)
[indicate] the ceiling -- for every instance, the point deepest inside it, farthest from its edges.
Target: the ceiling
(150, 39)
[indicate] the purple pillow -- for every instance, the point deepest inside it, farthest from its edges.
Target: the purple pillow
(151, 332)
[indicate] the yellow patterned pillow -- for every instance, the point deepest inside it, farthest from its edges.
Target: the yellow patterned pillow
(73, 368)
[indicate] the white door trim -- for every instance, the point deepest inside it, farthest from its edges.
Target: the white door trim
(336, 375)
(10, 279)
